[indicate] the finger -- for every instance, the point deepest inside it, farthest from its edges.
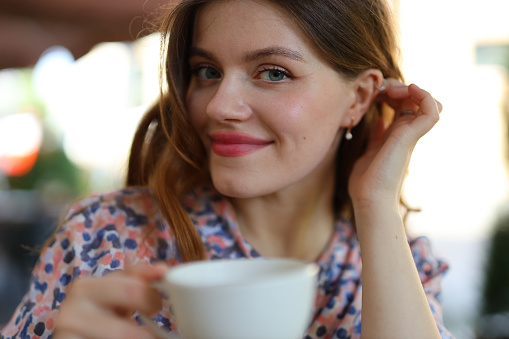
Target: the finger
(388, 90)
(131, 294)
(428, 114)
(150, 274)
(403, 100)
(392, 82)
(440, 106)
(399, 99)
(398, 91)
(118, 292)
(427, 104)
(65, 335)
(147, 272)
(94, 323)
(414, 90)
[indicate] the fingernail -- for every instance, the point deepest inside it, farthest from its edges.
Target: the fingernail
(407, 112)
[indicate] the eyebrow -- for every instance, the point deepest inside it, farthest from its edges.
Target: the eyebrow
(255, 55)
(269, 51)
(196, 51)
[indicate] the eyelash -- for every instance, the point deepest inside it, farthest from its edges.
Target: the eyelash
(195, 70)
(274, 68)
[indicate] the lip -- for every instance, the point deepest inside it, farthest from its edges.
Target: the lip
(234, 144)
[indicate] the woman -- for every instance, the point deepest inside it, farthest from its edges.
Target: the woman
(272, 140)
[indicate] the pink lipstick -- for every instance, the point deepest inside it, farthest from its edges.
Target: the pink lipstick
(234, 144)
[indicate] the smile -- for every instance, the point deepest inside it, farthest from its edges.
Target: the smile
(232, 144)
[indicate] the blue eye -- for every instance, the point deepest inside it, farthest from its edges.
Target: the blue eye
(274, 74)
(207, 73)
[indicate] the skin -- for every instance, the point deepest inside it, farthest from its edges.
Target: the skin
(108, 303)
(282, 193)
(278, 191)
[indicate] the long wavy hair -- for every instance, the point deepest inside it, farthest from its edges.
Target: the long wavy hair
(167, 155)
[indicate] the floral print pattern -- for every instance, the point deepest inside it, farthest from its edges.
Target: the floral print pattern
(113, 231)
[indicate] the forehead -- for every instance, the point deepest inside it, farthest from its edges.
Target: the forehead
(247, 11)
(249, 23)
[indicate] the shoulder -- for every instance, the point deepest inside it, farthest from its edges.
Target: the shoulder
(126, 209)
(137, 204)
(108, 231)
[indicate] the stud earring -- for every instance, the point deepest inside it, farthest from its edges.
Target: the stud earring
(348, 134)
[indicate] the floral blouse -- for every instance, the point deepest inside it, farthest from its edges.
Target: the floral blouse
(119, 229)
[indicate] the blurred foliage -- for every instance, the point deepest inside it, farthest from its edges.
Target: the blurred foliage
(494, 320)
(496, 284)
(51, 167)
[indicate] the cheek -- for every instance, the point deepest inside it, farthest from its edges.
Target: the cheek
(304, 115)
(196, 107)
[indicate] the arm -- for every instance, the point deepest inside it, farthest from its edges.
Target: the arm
(394, 302)
(431, 272)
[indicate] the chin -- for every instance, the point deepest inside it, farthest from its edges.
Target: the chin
(232, 190)
(238, 189)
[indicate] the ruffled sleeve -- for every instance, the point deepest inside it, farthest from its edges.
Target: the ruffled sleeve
(431, 271)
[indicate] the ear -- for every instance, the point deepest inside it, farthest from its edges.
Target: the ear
(365, 89)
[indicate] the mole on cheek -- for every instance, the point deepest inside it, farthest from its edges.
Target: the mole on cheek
(304, 138)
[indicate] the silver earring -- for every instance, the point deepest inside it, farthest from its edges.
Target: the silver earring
(381, 88)
(348, 134)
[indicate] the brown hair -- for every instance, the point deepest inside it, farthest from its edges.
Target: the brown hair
(166, 154)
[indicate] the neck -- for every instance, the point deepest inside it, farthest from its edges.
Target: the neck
(296, 222)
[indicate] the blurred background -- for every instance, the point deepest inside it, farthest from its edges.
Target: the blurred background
(75, 78)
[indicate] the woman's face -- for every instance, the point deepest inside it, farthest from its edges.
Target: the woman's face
(269, 110)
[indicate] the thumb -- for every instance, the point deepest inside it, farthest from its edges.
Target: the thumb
(146, 272)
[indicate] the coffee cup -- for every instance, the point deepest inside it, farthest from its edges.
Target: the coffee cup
(242, 299)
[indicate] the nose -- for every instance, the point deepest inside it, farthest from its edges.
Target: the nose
(229, 102)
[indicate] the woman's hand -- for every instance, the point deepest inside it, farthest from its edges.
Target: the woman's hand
(378, 175)
(390, 280)
(102, 307)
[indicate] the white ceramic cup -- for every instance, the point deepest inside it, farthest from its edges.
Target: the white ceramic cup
(242, 299)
